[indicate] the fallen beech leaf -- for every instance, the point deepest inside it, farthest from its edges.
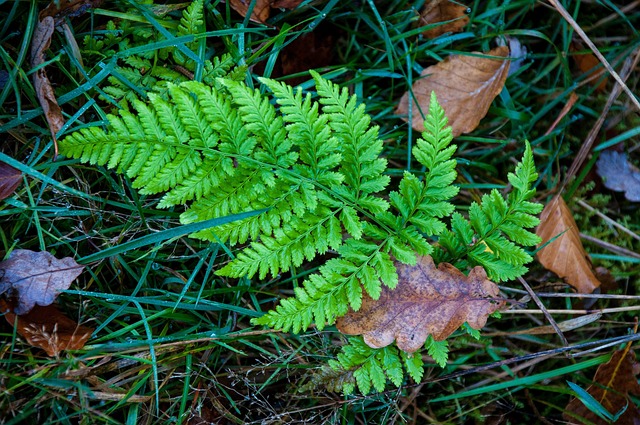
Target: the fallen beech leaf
(37, 277)
(10, 179)
(586, 62)
(619, 174)
(260, 11)
(286, 4)
(440, 11)
(612, 384)
(427, 300)
(465, 87)
(44, 91)
(48, 328)
(565, 256)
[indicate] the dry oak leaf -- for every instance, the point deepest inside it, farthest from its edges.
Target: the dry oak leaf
(10, 179)
(565, 256)
(48, 328)
(586, 63)
(427, 301)
(435, 11)
(612, 384)
(619, 174)
(36, 277)
(465, 87)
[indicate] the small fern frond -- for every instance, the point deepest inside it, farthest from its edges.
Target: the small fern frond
(496, 229)
(361, 165)
(422, 204)
(365, 367)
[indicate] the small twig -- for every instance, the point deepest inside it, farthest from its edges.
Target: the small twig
(610, 247)
(603, 311)
(609, 220)
(595, 50)
(544, 311)
(558, 295)
(629, 64)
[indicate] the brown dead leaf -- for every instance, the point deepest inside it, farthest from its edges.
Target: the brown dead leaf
(427, 301)
(36, 277)
(260, 12)
(286, 4)
(565, 256)
(61, 9)
(465, 87)
(619, 174)
(44, 91)
(586, 62)
(435, 11)
(612, 384)
(10, 179)
(48, 328)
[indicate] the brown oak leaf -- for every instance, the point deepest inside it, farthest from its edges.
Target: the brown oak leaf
(435, 11)
(427, 301)
(612, 384)
(565, 256)
(48, 328)
(36, 277)
(465, 87)
(10, 179)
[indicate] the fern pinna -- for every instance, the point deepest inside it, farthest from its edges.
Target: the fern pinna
(314, 167)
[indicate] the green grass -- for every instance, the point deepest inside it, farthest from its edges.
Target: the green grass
(173, 341)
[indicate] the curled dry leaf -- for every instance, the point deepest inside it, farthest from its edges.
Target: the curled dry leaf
(36, 277)
(465, 87)
(61, 9)
(428, 300)
(44, 91)
(613, 382)
(10, 179)
(48, 328)
(435, 11)
(619, 174)
(565, 256)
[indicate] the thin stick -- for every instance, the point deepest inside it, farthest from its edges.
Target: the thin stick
(544, 311)
(603, 311)
(609, 220)
(595, 50)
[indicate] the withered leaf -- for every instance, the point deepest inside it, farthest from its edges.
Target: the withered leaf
(427, 301)
(286, 4)
(619, 174)
(565, 256)
(260, 12)
(612, 384)
(61, 9)
(586, 63)
(44, 91)
(48, 328)
(465, 87)
(10, 179)
(36, 277)
(440, 11)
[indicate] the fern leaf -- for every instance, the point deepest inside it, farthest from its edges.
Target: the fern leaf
(361, 165)
(438, 350)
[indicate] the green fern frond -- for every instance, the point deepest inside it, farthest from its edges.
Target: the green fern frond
(496, 231)
(361, 165)
(366, 367)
